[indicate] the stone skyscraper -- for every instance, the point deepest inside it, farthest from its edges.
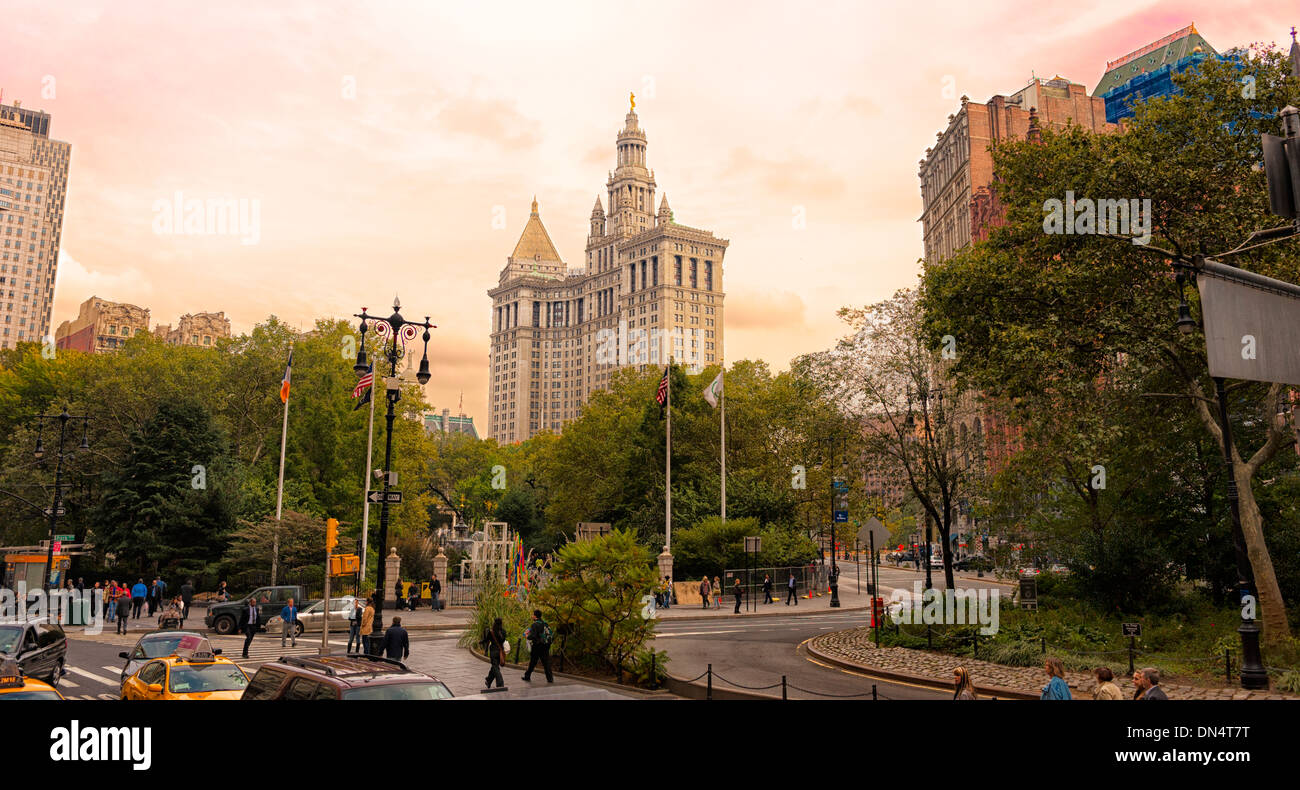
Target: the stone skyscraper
(33, 183)
(649, 289)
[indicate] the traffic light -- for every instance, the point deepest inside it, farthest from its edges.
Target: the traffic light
(331, 533)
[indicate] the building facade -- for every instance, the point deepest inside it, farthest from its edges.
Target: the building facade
(34, 180)
(445, 423)
(195, 329)
(1148, 72)
(101, 326)
(649, 290)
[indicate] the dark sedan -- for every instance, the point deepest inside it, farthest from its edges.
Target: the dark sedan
(39, 647)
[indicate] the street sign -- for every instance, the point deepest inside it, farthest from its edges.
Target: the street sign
(1132, 629)
(65, 538)
(377, 497)
(1252, 325)
(753, 545)
(874, 527)
(841, 516)
(58, 512)
(1029, 593)
(840, 485)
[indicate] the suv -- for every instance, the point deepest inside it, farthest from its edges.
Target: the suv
(342, 677)
(224, 617)
(39, 647)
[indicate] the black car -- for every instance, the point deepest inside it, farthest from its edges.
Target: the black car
(155, 644)
(40, 648)
(974, 562)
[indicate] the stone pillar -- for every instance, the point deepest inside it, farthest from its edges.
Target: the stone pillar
(392, 572)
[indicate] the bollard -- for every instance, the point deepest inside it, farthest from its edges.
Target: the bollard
(1044, 640)
(975, 643)
(709, 693)
(784, 695)
(518, 647)
(929, 641)
(873, 691)
(1131, 644)
(1227, 664)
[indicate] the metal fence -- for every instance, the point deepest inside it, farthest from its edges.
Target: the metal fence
(814, 577)
(461, 593)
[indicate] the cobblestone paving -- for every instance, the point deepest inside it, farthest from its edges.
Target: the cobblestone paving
(855, 646)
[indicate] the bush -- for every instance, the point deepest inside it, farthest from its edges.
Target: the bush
(491, 603)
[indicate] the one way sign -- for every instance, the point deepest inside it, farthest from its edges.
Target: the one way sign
(377, 497)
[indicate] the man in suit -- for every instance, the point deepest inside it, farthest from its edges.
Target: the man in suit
(248, 622)
(1148, 680)
(187, 597)
(396, 644)
(792, 586)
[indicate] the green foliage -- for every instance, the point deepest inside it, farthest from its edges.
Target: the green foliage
(597, 595)
(711, 546)
(491, 603)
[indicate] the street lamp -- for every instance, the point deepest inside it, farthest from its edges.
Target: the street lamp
(390, 330)
(831, 443)
(56, 507)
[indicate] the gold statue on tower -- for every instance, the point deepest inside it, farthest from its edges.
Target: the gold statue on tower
(632, 98)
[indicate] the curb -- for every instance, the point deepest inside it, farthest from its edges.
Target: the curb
(649, 693)
(752, 615)
(928, 681)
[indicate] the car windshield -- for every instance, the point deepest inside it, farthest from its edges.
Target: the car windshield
(192, 678)
(421, 690)
(31, 694)
(9, 636)
(160, 646)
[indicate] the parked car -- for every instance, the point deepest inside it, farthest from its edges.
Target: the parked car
(974, 562)
(903, 557)
(358, 677)
(1029, 571)
(224, 617)
(40, 648)
(312, 618)
(1058, 569)
(155, 644)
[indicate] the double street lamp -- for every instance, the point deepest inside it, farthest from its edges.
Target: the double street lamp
(56, 507)
(390, 330)
(832, 444)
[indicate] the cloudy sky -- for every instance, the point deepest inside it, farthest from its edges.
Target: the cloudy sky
(384, 142)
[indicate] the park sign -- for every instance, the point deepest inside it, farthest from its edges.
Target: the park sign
(1132, 629)
(1252, 324)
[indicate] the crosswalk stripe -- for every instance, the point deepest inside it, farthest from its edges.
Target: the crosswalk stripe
(92, 676)
(69, 683)
(112, 669)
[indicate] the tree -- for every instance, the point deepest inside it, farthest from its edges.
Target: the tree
(301, 541)
(167, 507)
(1059, 310)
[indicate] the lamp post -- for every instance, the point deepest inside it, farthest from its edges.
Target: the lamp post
(831, 444)
(56, 507)
(390, 330)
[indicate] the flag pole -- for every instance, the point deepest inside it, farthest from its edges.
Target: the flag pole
(279, 492)
(722, 378)
(668, 463)
(365, 496)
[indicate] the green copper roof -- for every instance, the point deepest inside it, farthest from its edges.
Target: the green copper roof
(1172, 48)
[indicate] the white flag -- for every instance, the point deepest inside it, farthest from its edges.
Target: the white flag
(714, 391)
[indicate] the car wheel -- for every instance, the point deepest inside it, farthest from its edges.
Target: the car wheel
(224, 625)
(57, 673)
(298, 628)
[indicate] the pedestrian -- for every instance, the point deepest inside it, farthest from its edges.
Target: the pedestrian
(737, 591)
(435, 589)
(963, 688)
(793, 587)
(110, 595)
(81, 584)
(398, 598)
(539, 637)
(138, 593)
(187, 597)
(493, 643)
(223, 594)
(123, 608)
(1056, 687)
(704, 591)
(354, 624)
(397, 645)
(1106, 688)
(368, 624)
(767, 589)
(413, 599)
(248, 620)
(1147, 680)
(97, 600)
(717, 593)
(668, 593)
(289, 623)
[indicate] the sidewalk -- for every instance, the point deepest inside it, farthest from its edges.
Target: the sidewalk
(855, 649)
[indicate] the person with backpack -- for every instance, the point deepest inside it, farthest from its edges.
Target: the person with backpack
(539, 637)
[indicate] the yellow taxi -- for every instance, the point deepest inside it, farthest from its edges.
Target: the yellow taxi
(14, 686)
(193, 671)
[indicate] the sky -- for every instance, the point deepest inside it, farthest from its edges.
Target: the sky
(394, 147)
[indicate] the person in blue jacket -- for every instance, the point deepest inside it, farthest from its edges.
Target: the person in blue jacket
(289, 622)
(1056, 687)
(138, 593)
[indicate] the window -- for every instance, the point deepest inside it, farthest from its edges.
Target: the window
(302, 689)
(264, 684)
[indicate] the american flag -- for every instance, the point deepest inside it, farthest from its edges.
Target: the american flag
(365, 381)
(661, 397)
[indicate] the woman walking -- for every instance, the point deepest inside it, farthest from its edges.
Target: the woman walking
(1106, 688)
(493, 643)
(1056, 687)
(963, 688)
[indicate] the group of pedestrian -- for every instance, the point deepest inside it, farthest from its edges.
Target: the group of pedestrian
(711, 593)
(410, 597)
(1146, 683)
(495, 644)
(664, 594)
